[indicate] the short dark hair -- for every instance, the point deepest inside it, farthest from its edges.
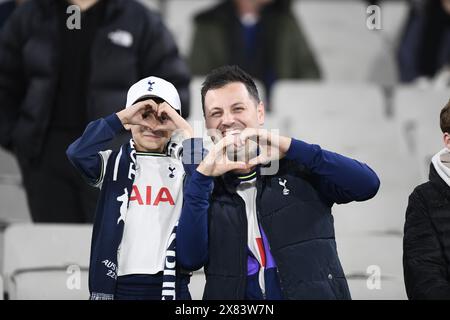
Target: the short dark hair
(445, 118)
(222, 76)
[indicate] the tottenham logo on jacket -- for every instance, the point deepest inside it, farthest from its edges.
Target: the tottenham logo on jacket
(172, 169)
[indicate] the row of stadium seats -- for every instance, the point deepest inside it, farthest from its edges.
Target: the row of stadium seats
(336, 30)
(50, 261)
(354, 120)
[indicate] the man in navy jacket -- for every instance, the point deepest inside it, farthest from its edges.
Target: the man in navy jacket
(259, 235)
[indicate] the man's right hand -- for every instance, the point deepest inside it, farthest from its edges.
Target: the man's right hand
(138, 113)
(216, 163)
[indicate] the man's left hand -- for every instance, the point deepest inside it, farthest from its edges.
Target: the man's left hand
(272, 146)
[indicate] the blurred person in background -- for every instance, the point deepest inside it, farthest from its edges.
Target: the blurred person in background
(6, 9)
(424, 51)
(261, 36)
(55, 79)
(426, 242)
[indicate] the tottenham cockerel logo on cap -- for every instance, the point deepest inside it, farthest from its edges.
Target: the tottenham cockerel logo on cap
(151, 83)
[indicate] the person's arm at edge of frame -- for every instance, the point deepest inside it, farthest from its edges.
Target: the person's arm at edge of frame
(339, 178)
(424, 265)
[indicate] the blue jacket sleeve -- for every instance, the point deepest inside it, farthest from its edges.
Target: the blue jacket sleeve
(339, 179)
(84, 152)
(192, 231)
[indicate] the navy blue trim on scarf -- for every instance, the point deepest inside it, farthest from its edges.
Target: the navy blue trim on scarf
(169, 274)
(109, 222)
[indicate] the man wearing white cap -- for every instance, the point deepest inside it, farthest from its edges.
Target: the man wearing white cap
(133, 242)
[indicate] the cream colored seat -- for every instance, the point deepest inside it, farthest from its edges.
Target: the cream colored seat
(46, 261)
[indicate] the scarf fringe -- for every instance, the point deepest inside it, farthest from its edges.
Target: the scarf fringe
(101, 296)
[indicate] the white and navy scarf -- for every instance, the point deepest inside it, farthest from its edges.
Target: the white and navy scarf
(108, 229)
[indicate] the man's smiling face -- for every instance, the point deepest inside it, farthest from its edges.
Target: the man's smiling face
(230, 109)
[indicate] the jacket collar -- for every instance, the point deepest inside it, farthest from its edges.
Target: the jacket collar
(437, 181)
(232, 180)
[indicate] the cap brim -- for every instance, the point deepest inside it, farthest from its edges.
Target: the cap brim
(146, 97)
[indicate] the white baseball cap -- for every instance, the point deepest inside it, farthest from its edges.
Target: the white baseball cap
(154, 87)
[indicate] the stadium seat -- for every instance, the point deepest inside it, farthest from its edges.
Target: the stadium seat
(46, 261)
(394, 15)
(384, 70)
(197, 284)
(196, 113)
(8, 163)
(179, 19)
(196, 118)
(13, 202)
(416, 112)
(390, 289)
(367, 258)
(351, 120)
(337, 30)
(334, 115)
